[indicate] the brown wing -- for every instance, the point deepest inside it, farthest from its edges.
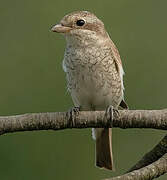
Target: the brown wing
(116, 53)
(118, 63)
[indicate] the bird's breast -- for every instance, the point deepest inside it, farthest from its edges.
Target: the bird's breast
(92, 76)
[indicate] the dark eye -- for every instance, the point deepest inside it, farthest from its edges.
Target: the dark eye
(80, 22)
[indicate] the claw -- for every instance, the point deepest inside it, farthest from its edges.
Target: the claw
(116, 112)
(71, 114)
(75, 110)
(110, 113)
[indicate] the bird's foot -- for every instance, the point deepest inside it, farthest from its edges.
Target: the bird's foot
(75, 110)
(72, 113)
(110, 113)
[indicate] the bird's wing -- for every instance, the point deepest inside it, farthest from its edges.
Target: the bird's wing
(123, 105)
(116, 53)
(119, 68)
(117, 60)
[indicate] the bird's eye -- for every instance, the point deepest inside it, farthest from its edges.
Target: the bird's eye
(80, 22)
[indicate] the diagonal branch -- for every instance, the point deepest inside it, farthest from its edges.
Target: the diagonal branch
(156, 119)
(158, 151)
(149, 172)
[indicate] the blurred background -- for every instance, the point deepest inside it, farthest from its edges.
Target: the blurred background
(32, 80)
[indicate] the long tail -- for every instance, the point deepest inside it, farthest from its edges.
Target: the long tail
(104, 157)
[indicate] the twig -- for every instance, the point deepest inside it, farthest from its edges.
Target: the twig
(149, 172)
(158, 151)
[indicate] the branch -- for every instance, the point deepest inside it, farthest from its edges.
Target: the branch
(156, 119)
(149, 172)
(158, 151)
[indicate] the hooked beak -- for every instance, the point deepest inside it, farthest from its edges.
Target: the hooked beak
(59, 28)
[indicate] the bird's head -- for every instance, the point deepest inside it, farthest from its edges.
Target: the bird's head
(80, 25)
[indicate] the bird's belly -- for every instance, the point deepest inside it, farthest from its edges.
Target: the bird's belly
(94, 92)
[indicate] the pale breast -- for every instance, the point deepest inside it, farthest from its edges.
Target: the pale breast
(92, 77)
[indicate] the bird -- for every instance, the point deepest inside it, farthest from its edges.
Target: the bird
(94, 73)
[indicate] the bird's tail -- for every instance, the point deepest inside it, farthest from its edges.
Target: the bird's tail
(104, 157)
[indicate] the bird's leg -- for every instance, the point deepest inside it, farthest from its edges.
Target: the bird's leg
(110, 112)
(71, 115)
(75, 110)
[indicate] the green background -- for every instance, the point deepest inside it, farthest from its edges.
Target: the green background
(32, 80)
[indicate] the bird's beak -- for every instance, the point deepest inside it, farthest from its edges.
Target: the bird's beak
(60, 28)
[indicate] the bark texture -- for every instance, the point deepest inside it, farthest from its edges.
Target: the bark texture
(155, 119)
